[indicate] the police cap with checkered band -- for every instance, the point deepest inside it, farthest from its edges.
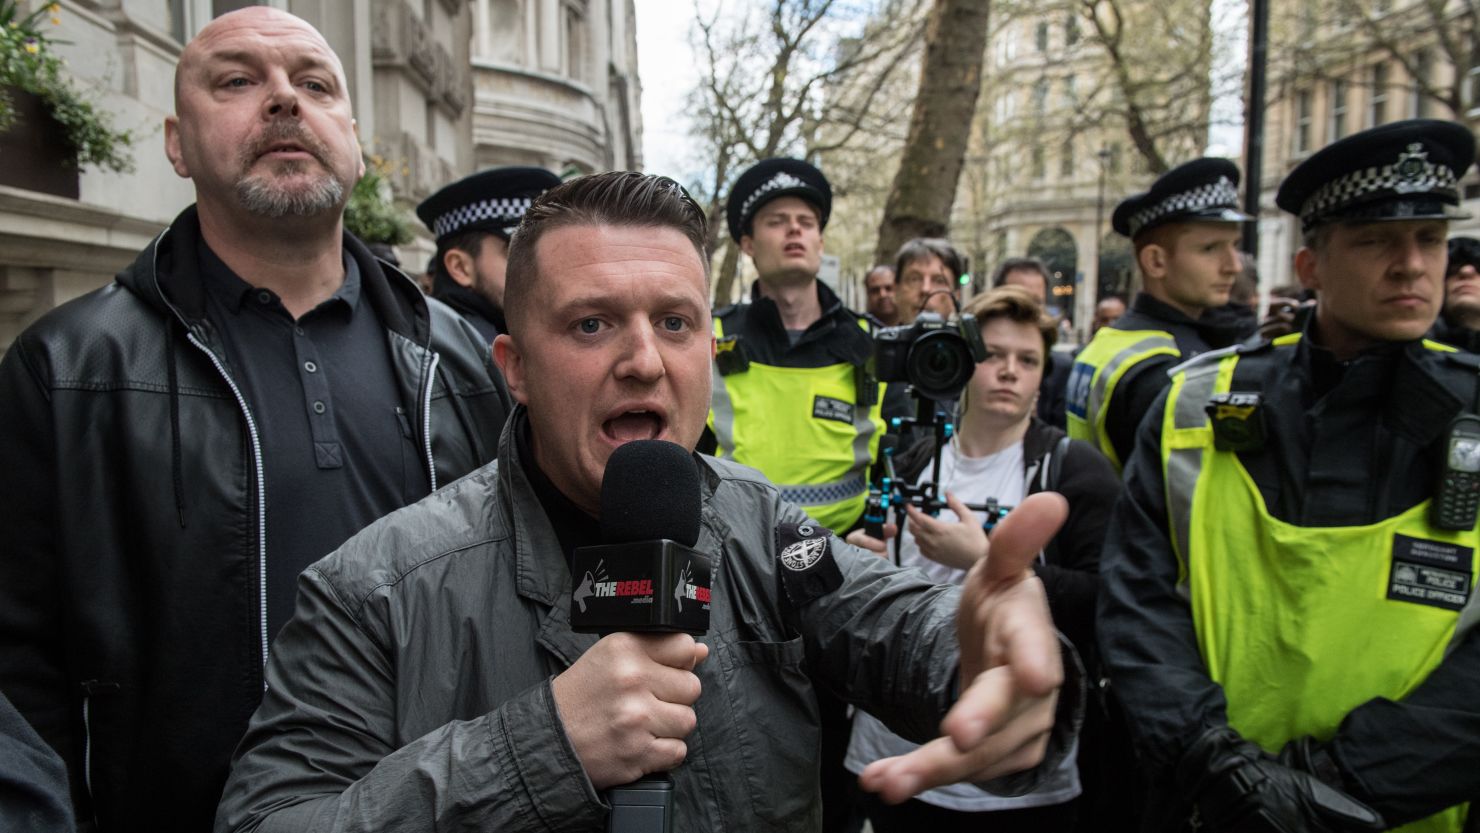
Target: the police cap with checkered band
(1201, 191)
(771, 178)
(1407, 170)
(493, 201)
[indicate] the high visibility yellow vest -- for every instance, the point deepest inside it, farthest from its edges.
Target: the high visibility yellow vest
(1097, 370)
(803, 428)
(1300, 625)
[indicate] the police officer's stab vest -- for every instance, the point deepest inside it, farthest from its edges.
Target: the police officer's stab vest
(1100, 366)
(1302, 625)
(805, 431)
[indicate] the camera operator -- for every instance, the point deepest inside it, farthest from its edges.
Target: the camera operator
(1002, 452)
(926, 280)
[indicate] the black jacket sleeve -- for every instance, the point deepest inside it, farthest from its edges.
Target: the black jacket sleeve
(33, 781)
(1070, 573)
(1412, 758)
(32, 662)
(1146, 635)
(1135, 395)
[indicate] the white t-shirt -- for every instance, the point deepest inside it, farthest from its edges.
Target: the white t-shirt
(973, 480)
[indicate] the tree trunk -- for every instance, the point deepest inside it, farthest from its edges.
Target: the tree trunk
(924, 189)
(724, 279)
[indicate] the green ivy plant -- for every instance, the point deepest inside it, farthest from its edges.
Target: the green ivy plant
(28, 63)
(371, 214)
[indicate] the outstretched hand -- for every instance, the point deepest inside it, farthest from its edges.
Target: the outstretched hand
(1011, 668)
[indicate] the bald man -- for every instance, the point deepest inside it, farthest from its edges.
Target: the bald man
(179, 445)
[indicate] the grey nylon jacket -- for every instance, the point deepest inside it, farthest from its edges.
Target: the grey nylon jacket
(411, 690)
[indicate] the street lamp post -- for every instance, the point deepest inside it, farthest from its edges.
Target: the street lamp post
(1085, 306)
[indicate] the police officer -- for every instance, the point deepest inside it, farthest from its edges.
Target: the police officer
(791, 393)
(1292, 571)
(473, 219)
(1186, 233)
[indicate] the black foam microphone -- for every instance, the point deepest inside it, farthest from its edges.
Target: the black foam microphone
(645, 577)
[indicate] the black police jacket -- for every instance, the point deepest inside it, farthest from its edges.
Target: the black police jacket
(132, 633)
(1347, 444)
(1215, 328)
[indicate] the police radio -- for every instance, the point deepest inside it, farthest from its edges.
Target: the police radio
(1457, 496)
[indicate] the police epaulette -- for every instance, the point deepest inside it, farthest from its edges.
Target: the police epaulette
(726, 310)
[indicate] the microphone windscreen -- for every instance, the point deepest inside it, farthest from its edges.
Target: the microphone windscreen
(650, 491)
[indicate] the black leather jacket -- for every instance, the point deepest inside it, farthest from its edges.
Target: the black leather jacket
(132, 631)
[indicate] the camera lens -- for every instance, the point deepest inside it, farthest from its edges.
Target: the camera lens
(939, 365)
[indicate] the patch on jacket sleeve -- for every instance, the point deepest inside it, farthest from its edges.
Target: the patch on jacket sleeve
(808, 569)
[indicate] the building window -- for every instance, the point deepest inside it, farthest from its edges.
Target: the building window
(1071, 29)
(1066, 160)
(1071, 93)
(220, 7)
(575, 43)
(1418, 101)
(1377, 113)
(1040, 97)
(1338, 111)
(1038, 164)
(1302, 122)
(1040, 39)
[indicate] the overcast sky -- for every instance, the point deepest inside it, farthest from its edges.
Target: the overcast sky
(666, 65)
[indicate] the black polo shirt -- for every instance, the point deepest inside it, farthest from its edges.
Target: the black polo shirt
(337, 447)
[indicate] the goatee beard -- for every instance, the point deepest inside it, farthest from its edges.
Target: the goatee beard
(261, 196)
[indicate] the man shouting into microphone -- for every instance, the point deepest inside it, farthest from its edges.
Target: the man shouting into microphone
(430, 677)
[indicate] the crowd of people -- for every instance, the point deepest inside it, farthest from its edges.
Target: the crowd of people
(291, 542)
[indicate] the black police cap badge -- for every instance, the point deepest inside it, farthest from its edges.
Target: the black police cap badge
(1406, 170)
(769, 179)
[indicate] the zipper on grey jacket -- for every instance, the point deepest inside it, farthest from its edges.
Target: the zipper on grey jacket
(261, 497)
(426, 417)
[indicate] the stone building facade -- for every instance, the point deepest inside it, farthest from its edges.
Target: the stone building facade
(430, 105)
(556, 85)
(1051, 154)
(1340, 77)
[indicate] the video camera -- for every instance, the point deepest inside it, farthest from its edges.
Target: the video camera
(935, 356)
